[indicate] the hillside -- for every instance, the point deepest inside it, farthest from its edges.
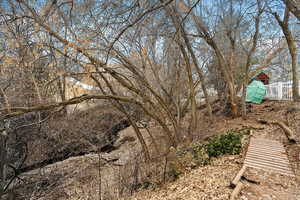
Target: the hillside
(79, 176)
(112, 99)
(212, 181)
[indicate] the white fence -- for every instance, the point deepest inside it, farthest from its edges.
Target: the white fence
(280, 91)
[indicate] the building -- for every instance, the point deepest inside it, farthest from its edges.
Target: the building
(263, 77)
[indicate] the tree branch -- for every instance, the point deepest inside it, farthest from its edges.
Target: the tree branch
(16, 111)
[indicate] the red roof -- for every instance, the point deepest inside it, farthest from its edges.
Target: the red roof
(263, 78)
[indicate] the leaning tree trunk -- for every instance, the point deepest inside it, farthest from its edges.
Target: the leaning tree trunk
(195, 61)
(222, 65)
(188, 68)
(201, 76)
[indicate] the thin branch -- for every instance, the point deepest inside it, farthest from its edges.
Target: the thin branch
(16, 111)
(133, 23)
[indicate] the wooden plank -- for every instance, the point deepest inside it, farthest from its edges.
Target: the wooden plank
(267, 146)
(265, 149)
(275, 159)
(268, 155)
(266, 140)
(269, 165)
(237, 178)
(265, 143)
(270, 159)
(258, 153)
(267, 168)
(279, 164)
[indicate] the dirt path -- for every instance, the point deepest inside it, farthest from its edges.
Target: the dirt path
(271, 186)
(212, 182)
(274, 185)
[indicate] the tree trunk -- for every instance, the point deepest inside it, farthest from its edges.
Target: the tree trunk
(284, 24)
(191, 88)
(222, 65)
(180, 27)
(249, 57)
(200, 74)
(188, 68)
(295, 9)
(293, 52)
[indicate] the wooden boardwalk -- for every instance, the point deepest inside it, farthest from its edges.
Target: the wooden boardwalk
(268, 155)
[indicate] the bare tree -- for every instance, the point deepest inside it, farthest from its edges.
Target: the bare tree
(249, 57)
(284, 24)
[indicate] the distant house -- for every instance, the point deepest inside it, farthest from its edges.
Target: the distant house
(75, 88)
(78, 87)
(263, 77)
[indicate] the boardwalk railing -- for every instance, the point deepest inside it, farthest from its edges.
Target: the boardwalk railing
(280, 91)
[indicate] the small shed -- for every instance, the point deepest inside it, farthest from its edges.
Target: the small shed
(256, 92)
(263, 77)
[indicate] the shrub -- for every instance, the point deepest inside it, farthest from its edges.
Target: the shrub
(229, 143)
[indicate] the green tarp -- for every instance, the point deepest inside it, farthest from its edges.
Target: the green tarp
(256, 91)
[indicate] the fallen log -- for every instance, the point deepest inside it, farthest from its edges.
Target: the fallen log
(236, 191)
(288, 132)
(237, 178)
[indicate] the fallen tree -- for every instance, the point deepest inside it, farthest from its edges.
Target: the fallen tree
(288, 132)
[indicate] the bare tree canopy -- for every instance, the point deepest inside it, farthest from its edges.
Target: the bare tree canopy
(158, 61)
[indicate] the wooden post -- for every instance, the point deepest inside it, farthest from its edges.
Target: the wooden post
(279, 91)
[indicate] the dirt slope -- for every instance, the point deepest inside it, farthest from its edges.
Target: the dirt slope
(209, 182)
(212, 182)
(78, 177)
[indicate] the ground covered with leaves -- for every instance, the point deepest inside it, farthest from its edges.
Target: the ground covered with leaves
(201, 170)
(212, 181)
(208, 182)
